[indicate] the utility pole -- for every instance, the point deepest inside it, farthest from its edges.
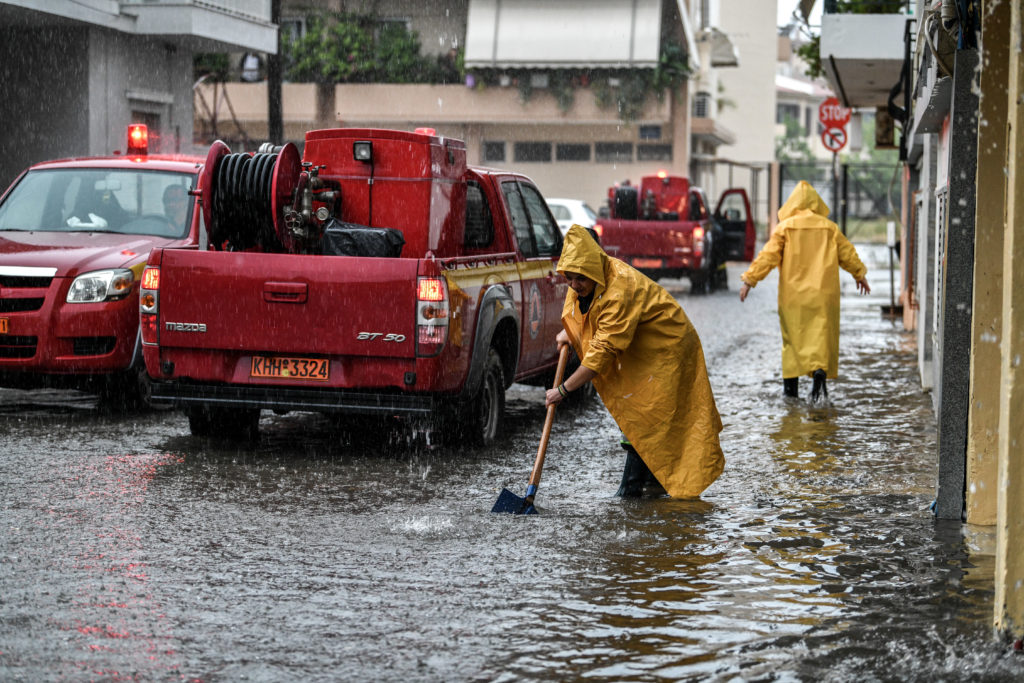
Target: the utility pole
(275, 126)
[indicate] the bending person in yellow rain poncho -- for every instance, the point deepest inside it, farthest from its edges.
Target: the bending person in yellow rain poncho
(808, 249)
(645, 359)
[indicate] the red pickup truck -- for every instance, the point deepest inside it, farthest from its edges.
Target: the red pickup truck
(378, 276)
(665, 229)
(74, 237)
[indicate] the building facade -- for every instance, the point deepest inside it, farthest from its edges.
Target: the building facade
(949, 74)
(514, 110)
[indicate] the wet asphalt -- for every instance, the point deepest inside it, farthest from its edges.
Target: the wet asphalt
(130, 550)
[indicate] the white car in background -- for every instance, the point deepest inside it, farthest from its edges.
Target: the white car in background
(569, 211)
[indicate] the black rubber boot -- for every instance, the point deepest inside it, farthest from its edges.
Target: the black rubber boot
(636, 476)
(819, 390)
(791, 386)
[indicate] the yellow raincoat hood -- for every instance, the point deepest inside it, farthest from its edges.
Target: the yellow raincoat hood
(808, 250)
(650, 367)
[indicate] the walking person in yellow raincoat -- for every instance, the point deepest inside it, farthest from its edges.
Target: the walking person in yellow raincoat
(645, 360)
(808, 249)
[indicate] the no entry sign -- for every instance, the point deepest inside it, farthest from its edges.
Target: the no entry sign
(834, 139)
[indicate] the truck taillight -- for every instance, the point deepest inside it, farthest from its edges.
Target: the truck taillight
(149, 305)
(698, 240)
(431, 315)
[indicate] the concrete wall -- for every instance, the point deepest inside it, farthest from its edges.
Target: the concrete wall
(72, 92)
(44, 107)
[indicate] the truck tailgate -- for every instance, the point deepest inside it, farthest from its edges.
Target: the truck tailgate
(290, 304)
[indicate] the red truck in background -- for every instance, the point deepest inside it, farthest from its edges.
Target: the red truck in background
(379, 275)
(74, 237)
(664, 228)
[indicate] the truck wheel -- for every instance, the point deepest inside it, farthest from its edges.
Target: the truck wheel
(224, 423)
(482, 416)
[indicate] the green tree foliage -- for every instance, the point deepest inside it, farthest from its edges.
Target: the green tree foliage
(214, 65)
(353, 48)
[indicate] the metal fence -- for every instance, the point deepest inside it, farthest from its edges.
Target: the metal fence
(862, 197)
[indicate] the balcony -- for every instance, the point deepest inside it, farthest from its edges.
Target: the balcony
(862, 55)
(213, 25)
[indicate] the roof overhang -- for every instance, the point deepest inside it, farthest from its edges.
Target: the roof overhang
(207, 26)
(540, 34)
(862, 55)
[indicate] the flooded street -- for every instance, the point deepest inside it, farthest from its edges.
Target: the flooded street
(131, 551)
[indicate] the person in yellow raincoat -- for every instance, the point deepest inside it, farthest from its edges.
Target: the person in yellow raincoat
(646, 361)
(808, 250)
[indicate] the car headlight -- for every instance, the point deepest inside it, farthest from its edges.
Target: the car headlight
(101, 285)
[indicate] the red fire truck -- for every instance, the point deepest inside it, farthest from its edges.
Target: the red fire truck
(665, 228)
(377, 275)
(74, 237)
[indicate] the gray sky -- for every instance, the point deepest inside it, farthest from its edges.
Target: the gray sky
(787, 7)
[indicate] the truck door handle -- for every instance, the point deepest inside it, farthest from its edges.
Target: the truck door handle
(285, 292)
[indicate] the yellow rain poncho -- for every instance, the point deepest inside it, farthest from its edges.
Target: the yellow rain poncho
(649, 364)
(808, 249)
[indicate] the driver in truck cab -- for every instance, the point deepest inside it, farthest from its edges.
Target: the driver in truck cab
(646, 361)
(176, 205)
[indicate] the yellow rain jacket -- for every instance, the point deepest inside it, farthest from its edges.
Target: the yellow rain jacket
(808, 249)
(649, 364)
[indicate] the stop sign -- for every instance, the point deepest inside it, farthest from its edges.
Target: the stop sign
(832, 114)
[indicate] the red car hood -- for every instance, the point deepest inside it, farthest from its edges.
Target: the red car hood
(73, 253)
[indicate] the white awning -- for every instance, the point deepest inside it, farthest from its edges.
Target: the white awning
(553, 34)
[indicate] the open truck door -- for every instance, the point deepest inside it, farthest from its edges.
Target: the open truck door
(733, 215)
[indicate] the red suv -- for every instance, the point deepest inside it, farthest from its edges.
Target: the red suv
(74, 237)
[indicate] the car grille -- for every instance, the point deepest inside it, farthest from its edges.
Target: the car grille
(25, 281)
(11, 304)
(17, 347)
(20, 305)
(93, 346)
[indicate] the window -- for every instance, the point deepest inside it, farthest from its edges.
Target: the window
(807, 121)
(292, 28)
(785, 110)
(545, 231)
(696, 209)
(479, 228)
(572, 152)
(654, 152)
(494, 151)
(610, 152)
(532, 151)
(100, 200)
(536, 233)
(702, 105)
(520, 218)
(650, 132)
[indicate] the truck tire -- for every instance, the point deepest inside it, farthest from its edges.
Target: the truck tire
(482, 416)
(128, 390)
(224, 423)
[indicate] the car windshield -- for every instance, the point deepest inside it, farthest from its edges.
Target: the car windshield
(129, 201)
(590, 212)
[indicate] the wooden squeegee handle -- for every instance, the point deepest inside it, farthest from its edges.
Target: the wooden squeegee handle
(538, 464)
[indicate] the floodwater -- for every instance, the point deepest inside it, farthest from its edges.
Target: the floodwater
(131, 551)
